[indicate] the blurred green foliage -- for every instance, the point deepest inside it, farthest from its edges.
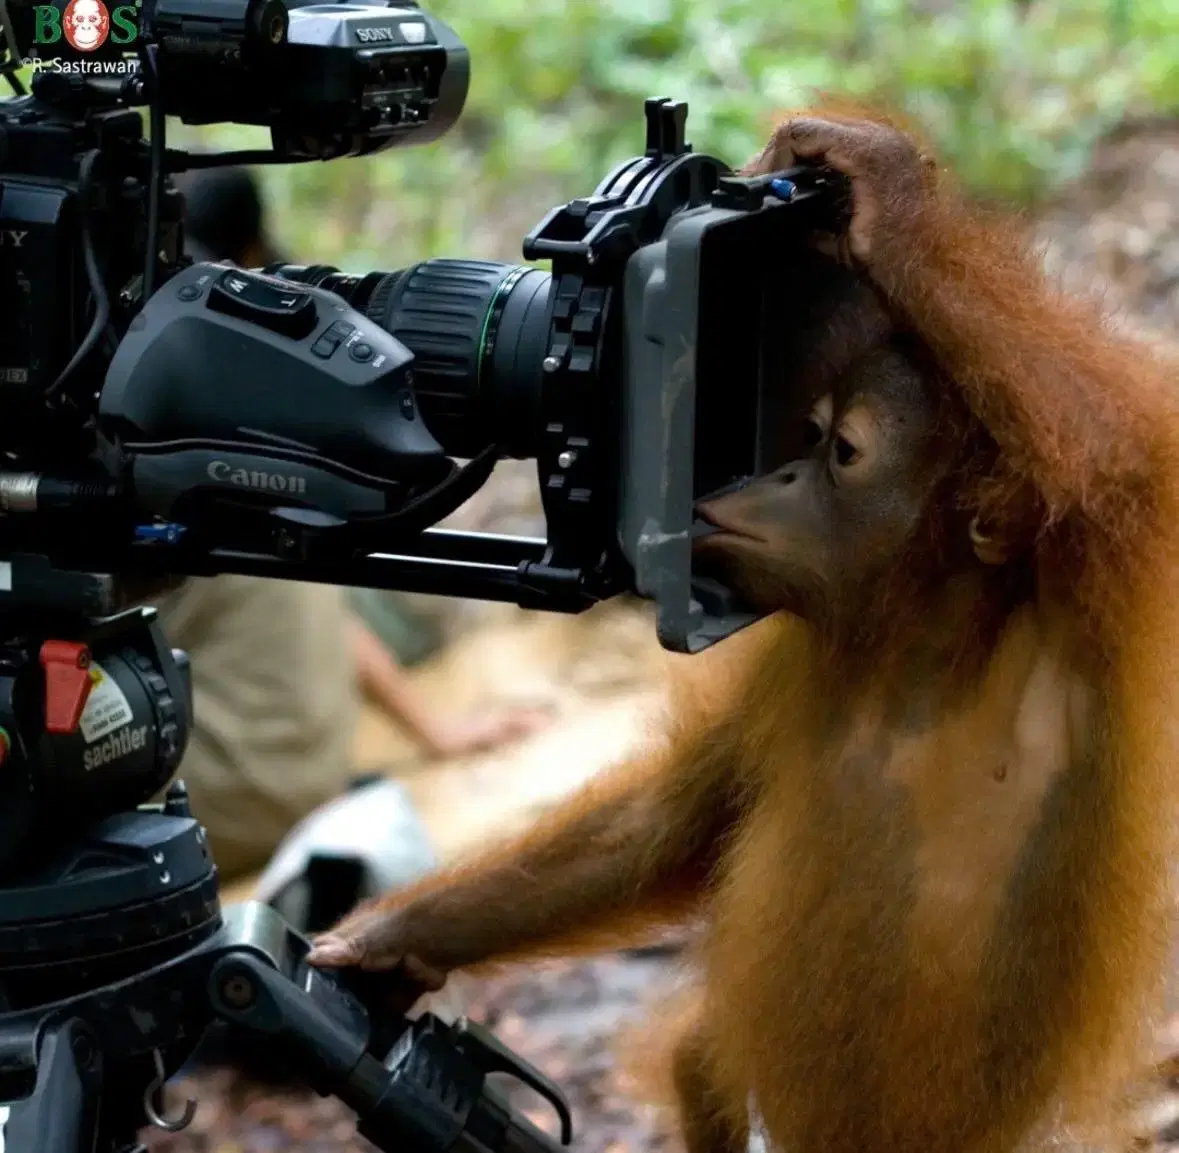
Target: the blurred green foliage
(1014, 93)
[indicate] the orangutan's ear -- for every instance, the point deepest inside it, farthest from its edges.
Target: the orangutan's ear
(1007, 516)
(997, 539)
(990, 547)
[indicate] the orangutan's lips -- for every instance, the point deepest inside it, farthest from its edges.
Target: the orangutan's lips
(704, 527)
(707, 528)
(704, 519)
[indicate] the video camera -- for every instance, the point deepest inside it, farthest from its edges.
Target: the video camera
(161, 417)
(298, 422)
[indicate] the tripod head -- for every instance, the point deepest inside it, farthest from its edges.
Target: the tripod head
(94, 709)
(115, 953)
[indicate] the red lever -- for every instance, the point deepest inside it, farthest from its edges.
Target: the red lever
(67, 684)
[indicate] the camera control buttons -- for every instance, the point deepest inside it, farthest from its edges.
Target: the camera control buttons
(189, 292)
(361, 352)
(332, 338)
(286, 311)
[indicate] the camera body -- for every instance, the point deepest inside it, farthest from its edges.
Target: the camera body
(45, 286)
(328, 80)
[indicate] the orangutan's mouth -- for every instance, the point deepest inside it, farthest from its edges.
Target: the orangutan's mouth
(707, 526)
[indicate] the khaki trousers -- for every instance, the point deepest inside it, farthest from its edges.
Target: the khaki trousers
(274, 687)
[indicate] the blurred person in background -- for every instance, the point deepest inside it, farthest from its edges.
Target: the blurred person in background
(278, 666)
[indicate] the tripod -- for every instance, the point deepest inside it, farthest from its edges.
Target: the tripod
(115, 953)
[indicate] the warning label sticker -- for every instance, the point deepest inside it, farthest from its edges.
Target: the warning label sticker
(106, 707)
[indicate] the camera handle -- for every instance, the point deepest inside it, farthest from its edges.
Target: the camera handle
(87, 1058)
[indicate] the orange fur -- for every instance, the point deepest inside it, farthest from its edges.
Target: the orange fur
(934, 929)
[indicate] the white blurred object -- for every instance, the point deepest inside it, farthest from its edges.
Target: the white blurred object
(758, 1142)
(361, 844)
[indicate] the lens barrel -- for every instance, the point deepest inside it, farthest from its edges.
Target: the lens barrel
(478, 330)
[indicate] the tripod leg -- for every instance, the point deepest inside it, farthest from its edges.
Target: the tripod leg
(61, 1114)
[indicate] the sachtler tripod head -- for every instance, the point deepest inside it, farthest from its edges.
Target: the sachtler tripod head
(115, 953)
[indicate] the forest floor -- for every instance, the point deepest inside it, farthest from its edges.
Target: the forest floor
(1118, 231)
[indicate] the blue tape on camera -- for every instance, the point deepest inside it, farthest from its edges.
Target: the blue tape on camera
(160, 533)
(783, 189)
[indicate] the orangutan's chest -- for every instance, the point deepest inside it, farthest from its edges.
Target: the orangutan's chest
(962, 800)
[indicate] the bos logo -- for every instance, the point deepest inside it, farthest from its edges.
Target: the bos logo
(86, 25)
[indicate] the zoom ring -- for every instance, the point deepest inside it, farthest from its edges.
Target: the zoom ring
(442, 310)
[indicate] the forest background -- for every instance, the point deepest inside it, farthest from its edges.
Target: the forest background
(1015, 93)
